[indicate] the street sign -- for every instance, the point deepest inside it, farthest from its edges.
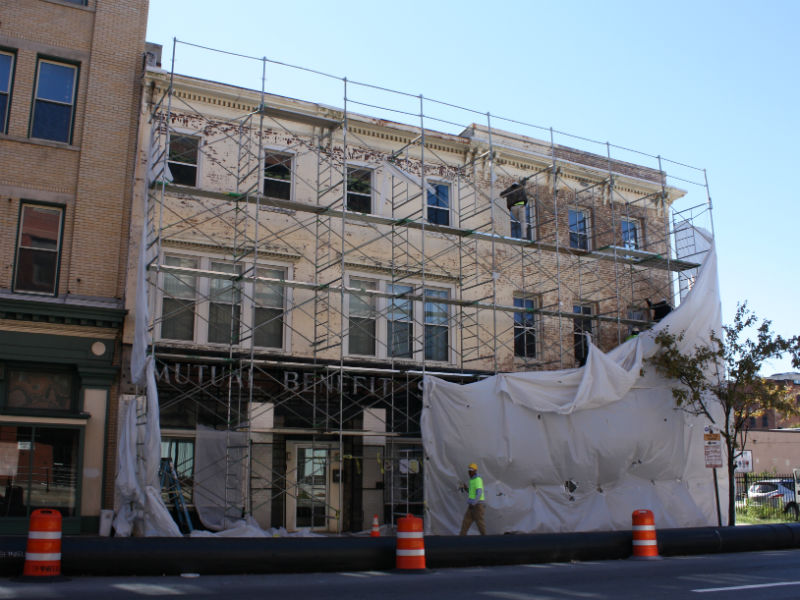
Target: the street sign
(744, 461)
(712, 447)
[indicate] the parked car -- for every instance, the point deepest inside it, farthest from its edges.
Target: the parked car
(776, 493)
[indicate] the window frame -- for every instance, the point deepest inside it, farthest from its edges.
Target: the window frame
(183, 164)
(291, 156)
(529, 304)
(348, 192)
(245, 314)
(18, 246)
(436, 209)
(637, 242)
(413, 325)
(585, 235)
(9, 93)
(372, 313)
(40, 60)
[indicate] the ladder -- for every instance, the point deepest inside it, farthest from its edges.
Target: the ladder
(171, 488)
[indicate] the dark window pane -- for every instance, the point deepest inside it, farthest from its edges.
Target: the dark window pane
(399, 339)
(36, 271)
(362, 336)
(6, 60)
(52, 121)
(178, 319)
(3, 110)
(278, 189)
(183, 174)
(223, 323)
(56, 82)
(269, 327)
(41, 227)
(435, 342)
(183, 159)
(183, 149)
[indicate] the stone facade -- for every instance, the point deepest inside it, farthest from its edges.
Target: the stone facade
(313, 263)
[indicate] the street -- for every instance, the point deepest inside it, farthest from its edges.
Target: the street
(770, 574)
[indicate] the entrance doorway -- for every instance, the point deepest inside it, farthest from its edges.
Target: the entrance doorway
(313, 486)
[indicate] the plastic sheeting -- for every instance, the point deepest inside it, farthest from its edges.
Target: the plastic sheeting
(577, 449)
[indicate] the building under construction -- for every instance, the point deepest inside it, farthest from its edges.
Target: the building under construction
(304, 266)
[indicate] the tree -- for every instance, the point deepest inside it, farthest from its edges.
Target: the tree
(724, 374)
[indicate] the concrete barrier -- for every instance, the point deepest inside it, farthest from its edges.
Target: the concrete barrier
(172, 556)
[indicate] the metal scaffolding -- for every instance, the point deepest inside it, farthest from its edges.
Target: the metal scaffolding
(310, 265)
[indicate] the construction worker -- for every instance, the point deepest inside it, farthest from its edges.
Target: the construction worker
(476, 501)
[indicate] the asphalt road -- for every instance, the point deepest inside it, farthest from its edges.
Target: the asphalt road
(773, 575)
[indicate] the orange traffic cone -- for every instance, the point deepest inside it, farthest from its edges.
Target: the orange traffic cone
(376, 532)
(645, 546)
(43, 553)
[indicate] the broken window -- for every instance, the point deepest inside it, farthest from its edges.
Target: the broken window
(183, 159)
(278, 175)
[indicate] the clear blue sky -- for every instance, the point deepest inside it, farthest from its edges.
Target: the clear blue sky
(709, 83)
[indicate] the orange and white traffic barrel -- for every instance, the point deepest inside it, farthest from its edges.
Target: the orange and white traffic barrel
(43, 552)
(645, 545)
(410, 543)
(376, 531)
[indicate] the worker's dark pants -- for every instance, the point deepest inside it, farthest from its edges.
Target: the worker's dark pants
(474, 513)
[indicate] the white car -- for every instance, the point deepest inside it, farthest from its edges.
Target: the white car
(777, 493)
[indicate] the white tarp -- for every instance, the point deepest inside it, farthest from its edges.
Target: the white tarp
(577, 449)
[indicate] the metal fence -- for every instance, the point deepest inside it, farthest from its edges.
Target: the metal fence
(766, 496)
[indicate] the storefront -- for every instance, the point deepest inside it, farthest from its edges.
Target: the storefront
(54, 391)
(317, 446)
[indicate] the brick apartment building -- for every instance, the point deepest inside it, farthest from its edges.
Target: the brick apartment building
(308, 265)
(69, 87)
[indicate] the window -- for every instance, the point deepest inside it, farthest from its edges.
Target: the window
(182, 159)
(581, 326)
(363, 319)
(578, 230)
(269, 306)
(178, 303)
(38, 249)
(359, 190)
(400, 322)
(54, 101)
(525, 328)
(278, 175)
(41, 469)
(224, 309)
(180, 451)
(522, 222)
(6, 75)
(630, 234)
(216, 306)
(436, 329)
(439, 203)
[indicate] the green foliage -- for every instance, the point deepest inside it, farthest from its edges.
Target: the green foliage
(724, 374)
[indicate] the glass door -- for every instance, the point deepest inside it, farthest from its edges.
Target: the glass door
(311, 505)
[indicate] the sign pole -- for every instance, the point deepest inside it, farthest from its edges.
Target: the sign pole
(716, 495)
